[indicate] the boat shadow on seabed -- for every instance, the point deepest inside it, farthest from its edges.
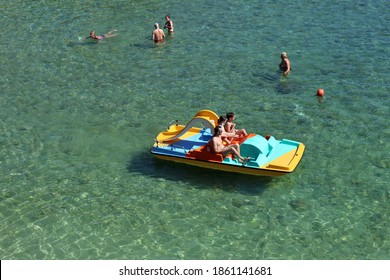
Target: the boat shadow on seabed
(147, 165)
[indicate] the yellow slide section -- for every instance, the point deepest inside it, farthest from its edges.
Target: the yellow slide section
(205, 118)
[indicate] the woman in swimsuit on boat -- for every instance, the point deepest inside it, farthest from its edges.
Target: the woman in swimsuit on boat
(231, 127)
(101, 37)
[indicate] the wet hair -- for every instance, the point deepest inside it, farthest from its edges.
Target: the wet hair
(156, 25)
(229, 115)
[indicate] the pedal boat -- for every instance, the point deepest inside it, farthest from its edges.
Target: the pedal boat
(187, 144)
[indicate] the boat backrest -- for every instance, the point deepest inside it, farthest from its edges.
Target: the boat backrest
(272, 142)
(204, 153)
(254, 146)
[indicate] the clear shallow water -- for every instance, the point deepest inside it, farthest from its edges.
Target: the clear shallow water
(78, 119)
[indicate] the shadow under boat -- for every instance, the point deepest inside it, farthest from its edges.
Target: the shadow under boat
(146, 164)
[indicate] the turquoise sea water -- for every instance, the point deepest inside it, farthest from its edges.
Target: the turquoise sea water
(78, 119)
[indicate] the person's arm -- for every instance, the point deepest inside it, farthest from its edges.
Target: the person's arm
(153, 36)
(226, 139)
(288, 67)
(230, 127)
(227, 127)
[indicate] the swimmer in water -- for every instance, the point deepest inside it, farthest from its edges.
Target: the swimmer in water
(284, 65)
(169, 24)
(101, 37)
(158, 34)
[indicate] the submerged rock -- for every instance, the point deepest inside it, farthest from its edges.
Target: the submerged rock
(298, 204)
(239, 202)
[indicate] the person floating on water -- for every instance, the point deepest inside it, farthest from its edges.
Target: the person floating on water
(284, 65)
(158, 34)
(169, 24)
(101, 37)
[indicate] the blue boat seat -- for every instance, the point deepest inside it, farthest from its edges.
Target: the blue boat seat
(254, 146)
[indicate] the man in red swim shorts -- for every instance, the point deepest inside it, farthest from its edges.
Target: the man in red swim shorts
(158, 34)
